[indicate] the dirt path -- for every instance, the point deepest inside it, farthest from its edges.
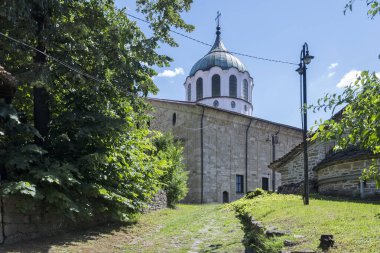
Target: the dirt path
(190, 228)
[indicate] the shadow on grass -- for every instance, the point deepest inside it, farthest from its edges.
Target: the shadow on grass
(255, 239)
(377, 215)
(66, 238)
(215, 247)
(375, 200)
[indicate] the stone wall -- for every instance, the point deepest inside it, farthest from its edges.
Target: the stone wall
(223, 150)
(159, 201)
(17, 225)
(329, 173)
(343, 180)
(292, 170)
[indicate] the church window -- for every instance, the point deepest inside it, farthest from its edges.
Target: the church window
(199, 88)
(233, 104)
(189, 92)
(233, 86)
(239, 183)
(174, 118)
(245, 89)
(265, 183)
(216, 103)
(216, 86)
(245, 108)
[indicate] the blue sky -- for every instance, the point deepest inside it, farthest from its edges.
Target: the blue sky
(340, 43)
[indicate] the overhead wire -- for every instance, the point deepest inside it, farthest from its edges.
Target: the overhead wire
(207, 44)
(140, 19)
(52, 57)
(80, 72)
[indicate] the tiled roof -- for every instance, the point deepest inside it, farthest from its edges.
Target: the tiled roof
(218, 56)
(350, 154)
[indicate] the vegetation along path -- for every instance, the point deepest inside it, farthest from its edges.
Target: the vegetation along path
(189, 228)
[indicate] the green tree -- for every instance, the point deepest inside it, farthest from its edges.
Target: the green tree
(97, 150)
(359, 122)
(374, 7)
(174, 177)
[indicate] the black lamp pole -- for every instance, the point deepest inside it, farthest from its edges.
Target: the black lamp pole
(305, 59)
(274, 142)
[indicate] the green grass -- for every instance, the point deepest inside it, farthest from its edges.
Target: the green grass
(189, 228)
(355, 225)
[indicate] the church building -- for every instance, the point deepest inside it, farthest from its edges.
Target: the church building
(227, 150)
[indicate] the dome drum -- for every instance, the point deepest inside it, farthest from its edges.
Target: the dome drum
(219, 79)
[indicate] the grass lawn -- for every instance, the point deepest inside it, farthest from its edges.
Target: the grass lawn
(189, 228)
(354, 225)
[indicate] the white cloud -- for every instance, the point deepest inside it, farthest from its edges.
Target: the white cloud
(171, 73)
(348, 78)
(331, 74)
(333, 65)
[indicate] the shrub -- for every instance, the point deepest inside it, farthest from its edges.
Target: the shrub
(174, 178)
(255, 193)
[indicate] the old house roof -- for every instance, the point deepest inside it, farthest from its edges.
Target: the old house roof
(288, 156)
(347, 155)
(299, 148)
(186, 103)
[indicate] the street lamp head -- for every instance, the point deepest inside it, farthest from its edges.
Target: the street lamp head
(307, 58)
(300, 69)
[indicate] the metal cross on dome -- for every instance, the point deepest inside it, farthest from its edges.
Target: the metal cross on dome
(218, 14)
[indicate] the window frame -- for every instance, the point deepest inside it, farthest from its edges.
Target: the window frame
(245, 90)
(215, 85)
(189, 92)
(199, 88)
(239, 183)
(233, 86)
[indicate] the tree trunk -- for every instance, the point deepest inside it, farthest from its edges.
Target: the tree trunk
(40, 94)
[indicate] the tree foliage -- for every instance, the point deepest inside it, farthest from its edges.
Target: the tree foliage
(374, 7)
(359, 124)
(174, 177)
(98, 156)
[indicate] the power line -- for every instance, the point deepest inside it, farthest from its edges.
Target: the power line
(62, 63)
(207, 44)
(52, 57)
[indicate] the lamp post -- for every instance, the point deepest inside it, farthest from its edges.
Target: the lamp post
(305, 59)
(274, 142)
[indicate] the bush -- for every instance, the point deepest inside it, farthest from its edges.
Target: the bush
(174, 178)
(255, 193)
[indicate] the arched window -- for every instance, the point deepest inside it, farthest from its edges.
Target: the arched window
(233, 86)
(189, 92)
(245, 89)
(215, 86)
(199, 88)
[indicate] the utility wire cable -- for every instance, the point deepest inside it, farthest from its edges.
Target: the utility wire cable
(63, 63)
(207, 44)
(52, 57)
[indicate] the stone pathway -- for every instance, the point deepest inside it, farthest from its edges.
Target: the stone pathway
(189, 228)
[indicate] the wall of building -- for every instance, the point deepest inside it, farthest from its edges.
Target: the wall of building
(241, 106)
(292, 171)
(340, 178)
(343, 180)
(224, 147)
